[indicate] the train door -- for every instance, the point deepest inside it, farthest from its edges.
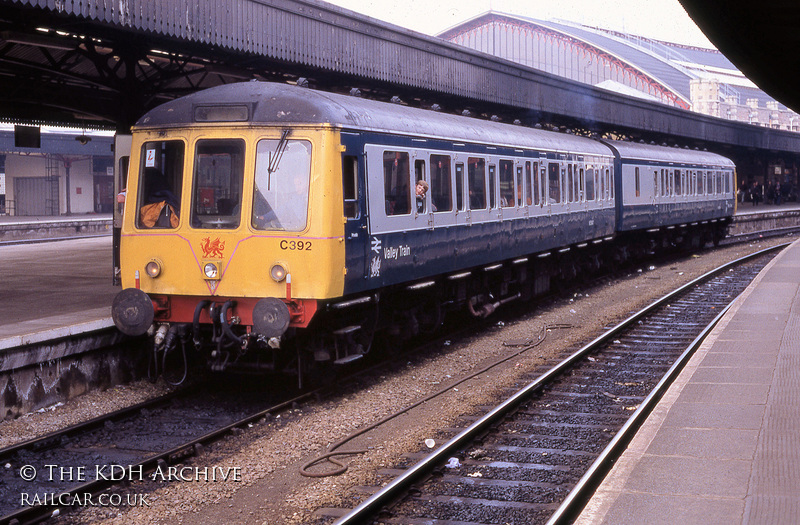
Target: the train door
(122, 155)
(441, 189)
(357, 246)
(423, 210)
(508, 184)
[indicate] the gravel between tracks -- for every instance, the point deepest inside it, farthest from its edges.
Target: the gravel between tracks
(272, 491)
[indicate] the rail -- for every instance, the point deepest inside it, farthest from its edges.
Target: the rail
(400, 486)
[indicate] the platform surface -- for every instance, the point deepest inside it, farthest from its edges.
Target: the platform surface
(723, 444)
(53, 287)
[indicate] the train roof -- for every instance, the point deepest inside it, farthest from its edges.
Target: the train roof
(282, 104)
(651, 152)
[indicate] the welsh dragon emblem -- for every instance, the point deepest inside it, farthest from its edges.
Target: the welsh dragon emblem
(212, 248)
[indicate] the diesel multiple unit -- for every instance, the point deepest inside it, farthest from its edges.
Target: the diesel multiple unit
(275, 227)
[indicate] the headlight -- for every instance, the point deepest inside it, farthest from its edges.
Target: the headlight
(153, 269)
(277, 272)
(211, 271)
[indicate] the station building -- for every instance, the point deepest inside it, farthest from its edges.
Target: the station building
(47, 171)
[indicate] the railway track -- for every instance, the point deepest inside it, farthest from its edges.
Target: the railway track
(539, 455)
(139, 443)
(47, 475)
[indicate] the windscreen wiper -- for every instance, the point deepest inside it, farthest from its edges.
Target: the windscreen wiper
(275, 158)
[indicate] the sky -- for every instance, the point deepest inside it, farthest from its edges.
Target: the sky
(659, 19)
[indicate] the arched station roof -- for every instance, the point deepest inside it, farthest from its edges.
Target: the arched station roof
(648, 65)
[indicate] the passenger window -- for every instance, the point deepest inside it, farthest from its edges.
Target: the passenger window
(610, 184)
(543, 184)
(576, 183)
(476, 183)
(602, 195)
(590, 191)
(506, 198)
(506, 183)
(655, 183)
(218, 178)
(441, 185)
(532, 193)
(349, 186)
(420, 190)
(492, 186)
(160, 184)
(554, 186)
(396, 182)
(637, 182)
(570, 189)
(521, 189)
(460, 187)
(677, 182)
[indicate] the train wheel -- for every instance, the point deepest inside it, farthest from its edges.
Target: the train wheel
(430, 316)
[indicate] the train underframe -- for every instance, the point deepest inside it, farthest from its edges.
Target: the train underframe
(349, 329)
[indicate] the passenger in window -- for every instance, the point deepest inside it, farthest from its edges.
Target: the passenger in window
(421, 189)
(160, 206)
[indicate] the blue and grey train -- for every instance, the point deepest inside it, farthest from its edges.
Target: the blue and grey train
(276, 227)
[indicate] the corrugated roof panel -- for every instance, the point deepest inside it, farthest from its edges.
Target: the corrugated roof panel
(652, 65)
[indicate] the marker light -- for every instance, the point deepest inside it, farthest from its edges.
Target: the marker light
(277, 272)
(153, 269)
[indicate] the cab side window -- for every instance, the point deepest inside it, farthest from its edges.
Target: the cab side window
(350, 186)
